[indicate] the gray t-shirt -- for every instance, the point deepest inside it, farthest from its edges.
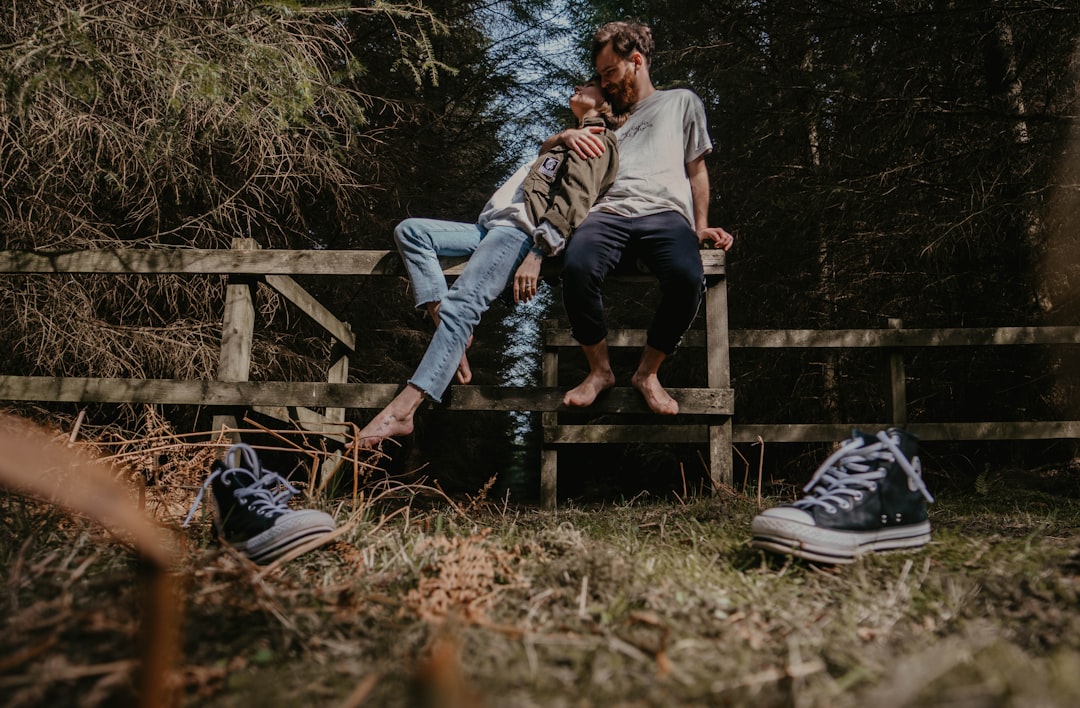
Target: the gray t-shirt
(664, 132)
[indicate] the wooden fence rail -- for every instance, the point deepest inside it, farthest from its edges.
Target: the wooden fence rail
(246, 264)
(893, 341)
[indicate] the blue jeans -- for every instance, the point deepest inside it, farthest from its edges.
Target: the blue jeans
(495, 256)
(668, 246)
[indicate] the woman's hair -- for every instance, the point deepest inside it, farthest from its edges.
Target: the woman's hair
(625, 39)
(611, 119)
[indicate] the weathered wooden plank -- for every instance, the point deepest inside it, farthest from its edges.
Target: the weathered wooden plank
(209, 261)
(1004, 430)
(897, 380)
(787, 433)
(255, 262)
(307, 419)
(549, 456)
(587, 434)
(714, 260)
(854, 338)
(692, 401)
(338, 373)
(295, 293)
(316, 394)
(721, 463)
(949, 337)
(694, 433)
(209, 393)
(1015, 430)
(561, 337)
(718, 359)
(369, 396)
(237, 334)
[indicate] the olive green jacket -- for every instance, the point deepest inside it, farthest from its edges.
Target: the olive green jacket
(562, 186)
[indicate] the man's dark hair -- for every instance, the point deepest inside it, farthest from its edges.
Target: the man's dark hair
(625, 39)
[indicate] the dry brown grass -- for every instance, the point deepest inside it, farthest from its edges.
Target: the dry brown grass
(425, 600)
(187, 122)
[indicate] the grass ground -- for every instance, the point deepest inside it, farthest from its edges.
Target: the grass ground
(430, 601)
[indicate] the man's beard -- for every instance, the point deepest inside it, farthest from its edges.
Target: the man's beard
(624, 92)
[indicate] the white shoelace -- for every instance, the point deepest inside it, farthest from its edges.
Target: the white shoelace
(259, 496)
(855, 469)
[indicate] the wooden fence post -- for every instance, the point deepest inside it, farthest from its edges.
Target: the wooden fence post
(338, 374)
(237, 333)
(718, 354)
(549, 455)
(322, 470)
(897, 380)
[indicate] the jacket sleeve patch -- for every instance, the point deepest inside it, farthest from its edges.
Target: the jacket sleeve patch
(549, 167)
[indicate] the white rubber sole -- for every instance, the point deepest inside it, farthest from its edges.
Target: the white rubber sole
(290, 531)
(829, 545)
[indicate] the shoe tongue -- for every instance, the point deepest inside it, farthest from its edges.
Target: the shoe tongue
(909, 444)
(866, 438)
(238, 476)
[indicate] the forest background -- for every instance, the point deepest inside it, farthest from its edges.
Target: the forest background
(905, 159)
(876, 159)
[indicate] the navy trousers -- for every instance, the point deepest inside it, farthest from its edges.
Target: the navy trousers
(665, 242)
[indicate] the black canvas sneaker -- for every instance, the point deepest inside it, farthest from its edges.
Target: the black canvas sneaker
(251, 511)
(868, 496)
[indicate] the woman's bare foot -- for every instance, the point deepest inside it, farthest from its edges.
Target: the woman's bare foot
(656, 397)
(385, 425)
(585, 393)
(394, 420)
(464, 373)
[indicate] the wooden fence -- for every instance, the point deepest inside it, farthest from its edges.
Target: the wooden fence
(893, 342)
(711, 404)
(246, 265)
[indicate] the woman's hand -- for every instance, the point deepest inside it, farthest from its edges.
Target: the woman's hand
(527, 277)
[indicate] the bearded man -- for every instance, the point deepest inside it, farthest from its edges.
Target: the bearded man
(658, 207)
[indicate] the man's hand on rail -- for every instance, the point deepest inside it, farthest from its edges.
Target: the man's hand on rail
(715, 237)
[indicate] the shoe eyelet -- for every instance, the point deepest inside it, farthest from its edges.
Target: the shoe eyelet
(844, 505)
(873, 486)
(858, 496)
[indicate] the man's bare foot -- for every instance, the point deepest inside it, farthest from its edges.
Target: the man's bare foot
(585, 393)
(656, 397)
